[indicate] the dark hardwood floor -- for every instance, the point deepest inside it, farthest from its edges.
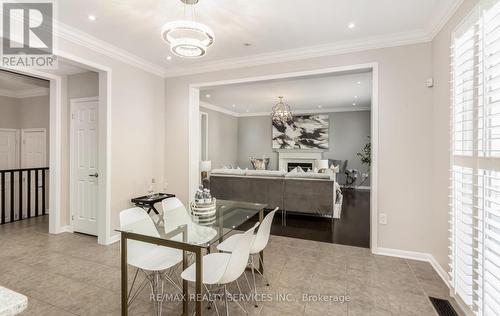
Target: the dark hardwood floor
(352, 229)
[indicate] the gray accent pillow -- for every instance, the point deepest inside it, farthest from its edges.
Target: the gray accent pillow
(259, 164)
(341, 163)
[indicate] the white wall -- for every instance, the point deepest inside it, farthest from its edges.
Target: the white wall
(35, 113)
(441, 134)
(222, 138)
(255, 140)
(9, 112)
(32, 112)
(349, 132)
(137, 127)
(405, 148)
(82, 85)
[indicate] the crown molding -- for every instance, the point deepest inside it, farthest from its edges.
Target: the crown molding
(300, 112)
(426, 34)
(26, 93)
(86, 40)
(440, 19)
(343, 47)
(313, 111)
(218, 109)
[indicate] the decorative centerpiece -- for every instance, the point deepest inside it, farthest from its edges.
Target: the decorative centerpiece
(203, 208)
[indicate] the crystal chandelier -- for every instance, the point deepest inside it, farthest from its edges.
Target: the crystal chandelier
(281, 112)
(188, 38)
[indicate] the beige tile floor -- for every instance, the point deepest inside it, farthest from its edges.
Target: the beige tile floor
(69, 274)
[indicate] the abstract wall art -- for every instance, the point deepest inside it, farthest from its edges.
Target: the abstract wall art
(303, 132)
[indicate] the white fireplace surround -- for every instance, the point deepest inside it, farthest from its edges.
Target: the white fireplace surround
(297, 157)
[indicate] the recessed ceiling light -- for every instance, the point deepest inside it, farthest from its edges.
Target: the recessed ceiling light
(359, 82)
(169, 57)
(351, 25)
(91, 17)
(354, 104)
(355, 97)
(234, 105)
(207, 96)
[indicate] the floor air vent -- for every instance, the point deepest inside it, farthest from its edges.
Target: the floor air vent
(443, 307)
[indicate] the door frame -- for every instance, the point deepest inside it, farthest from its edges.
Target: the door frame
(58, 101)
(72, 157)
(18, 144)
(205, 114)
(194, 129)
(22, 143)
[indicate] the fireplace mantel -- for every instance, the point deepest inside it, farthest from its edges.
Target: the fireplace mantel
(284, 157)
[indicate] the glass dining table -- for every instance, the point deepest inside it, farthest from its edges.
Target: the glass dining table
(192, 234)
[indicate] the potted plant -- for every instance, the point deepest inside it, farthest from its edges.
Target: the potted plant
(366, 159)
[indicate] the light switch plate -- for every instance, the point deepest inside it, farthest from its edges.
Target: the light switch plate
(382, 219)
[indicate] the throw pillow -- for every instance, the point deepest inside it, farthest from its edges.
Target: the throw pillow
(259, 164)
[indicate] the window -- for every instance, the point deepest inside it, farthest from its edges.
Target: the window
(475, 173)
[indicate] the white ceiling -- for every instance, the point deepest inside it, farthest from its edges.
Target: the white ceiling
(270, 26)
(20, 86)
(326, 93)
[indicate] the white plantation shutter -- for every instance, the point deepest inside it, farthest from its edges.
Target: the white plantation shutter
(463, 234)
(466, 86)
(475, 174)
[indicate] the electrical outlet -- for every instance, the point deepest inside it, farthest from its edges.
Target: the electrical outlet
(382, 219)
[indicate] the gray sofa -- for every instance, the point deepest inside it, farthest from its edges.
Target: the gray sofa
(301, 195)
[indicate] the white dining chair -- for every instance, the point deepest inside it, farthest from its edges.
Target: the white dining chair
(175, 214)
(224, 268)
(156, 262)
(259, 243)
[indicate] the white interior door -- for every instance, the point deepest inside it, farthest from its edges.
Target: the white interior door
(9, 159)
(84, 165)
(9, 139)
(34, 148)
(33, 155)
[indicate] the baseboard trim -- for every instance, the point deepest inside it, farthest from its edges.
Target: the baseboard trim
(67, 229)
(463, 307)
(112, 239)
(413, 255)
(426, 257)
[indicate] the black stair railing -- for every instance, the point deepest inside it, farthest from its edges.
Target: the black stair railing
(23, 193)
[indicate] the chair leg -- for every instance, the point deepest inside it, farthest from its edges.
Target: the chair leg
(248, 282)
(225, 300)
(252, 266)
(158, 291)
(133, 282)
(162, 290)
(262, 263)
(239, 288)
(169, 277)
(210, 302)
(139, 289)
(154, 289)
(238, 303)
